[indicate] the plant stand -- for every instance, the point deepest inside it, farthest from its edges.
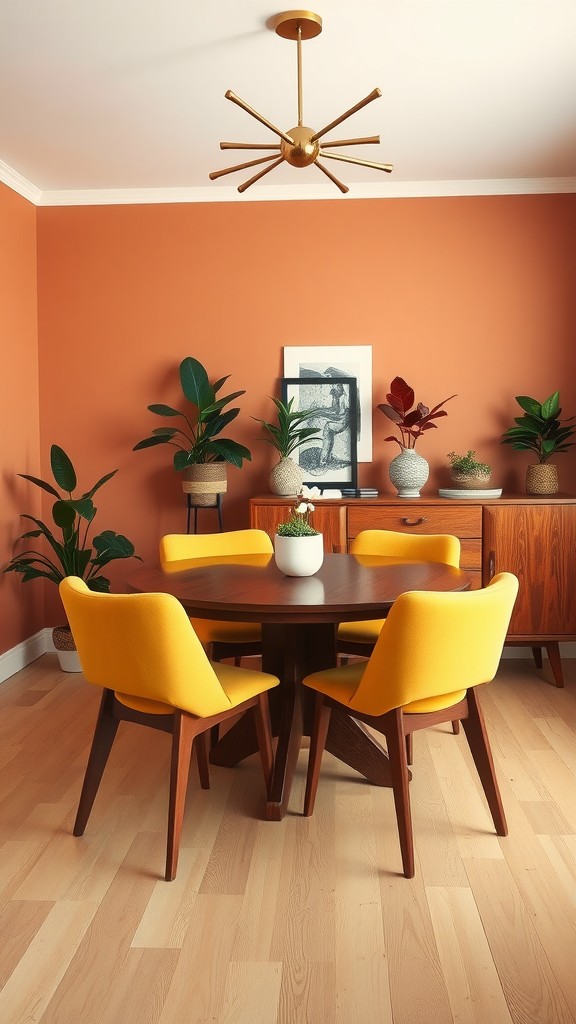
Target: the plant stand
(190, 505)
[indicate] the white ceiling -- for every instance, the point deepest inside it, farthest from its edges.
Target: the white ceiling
(128, 95)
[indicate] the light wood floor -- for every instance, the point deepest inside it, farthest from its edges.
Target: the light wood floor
(307, 921)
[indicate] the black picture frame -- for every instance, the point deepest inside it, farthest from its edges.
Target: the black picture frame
(330, 461)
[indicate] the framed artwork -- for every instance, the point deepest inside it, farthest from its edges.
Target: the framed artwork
(329, 459)
(339, 361)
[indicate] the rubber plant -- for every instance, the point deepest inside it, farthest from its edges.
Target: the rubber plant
(540, 429)
(411, 422)
(198, 443)
(73, 554)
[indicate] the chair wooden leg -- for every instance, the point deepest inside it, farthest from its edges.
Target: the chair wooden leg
(410, 748)
(202, 760)
(317, 743)
(475, 729)
(456, 727)
(185, 728)
(264, 734)
(394, 732)
(214, 735)
(104, 734)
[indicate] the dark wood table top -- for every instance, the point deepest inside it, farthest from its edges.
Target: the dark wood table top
(251, 588)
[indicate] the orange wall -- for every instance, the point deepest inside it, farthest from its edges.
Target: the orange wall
(466, 295)
(22, 607)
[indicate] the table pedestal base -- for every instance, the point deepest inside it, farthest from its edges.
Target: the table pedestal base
(292, 652)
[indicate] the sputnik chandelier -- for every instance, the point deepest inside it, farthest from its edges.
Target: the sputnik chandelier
(300, 146)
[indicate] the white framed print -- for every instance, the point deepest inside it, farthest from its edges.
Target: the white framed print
(339, 361)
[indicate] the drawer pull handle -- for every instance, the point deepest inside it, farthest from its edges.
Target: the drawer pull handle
(415, 522)
(491, 565)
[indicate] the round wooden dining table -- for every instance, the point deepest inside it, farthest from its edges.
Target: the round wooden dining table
(299, 618)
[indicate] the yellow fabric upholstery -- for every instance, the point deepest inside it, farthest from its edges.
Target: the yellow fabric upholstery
(143, 647)
(430, 645)
(180, 547)
(441, 547)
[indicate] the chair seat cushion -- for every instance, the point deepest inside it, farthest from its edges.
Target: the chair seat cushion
(149, 707)
(239, 684)
(360, 632)
(213, 631)
(341, 684)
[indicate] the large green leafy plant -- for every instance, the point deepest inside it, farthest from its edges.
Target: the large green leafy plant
(198, 441)
(540, 429)
(290, 431)
(74, 555)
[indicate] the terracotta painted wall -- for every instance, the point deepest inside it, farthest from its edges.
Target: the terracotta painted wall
(467, 295)
(22, 610)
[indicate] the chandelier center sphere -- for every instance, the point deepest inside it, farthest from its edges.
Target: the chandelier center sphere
(302, 152)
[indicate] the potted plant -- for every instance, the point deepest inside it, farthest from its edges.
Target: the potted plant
(201, 455)
(298, 547)
(409, 470)
(73, 554)
(541, 431)
(467, 472)
(286, 476)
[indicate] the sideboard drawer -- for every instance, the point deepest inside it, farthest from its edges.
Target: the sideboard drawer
(461, 521)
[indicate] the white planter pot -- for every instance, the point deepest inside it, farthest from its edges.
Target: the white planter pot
(408, 472)
(299, 556)
(69, 661)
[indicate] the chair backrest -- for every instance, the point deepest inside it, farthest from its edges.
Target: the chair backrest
(176, 547)
(143, 645)
(433, 644)
(438, 547)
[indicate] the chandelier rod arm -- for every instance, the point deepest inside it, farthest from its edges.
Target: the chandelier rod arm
(252, 145)
(352, 142)
(242, 188)
(367, 99)
(229, 95)
(355, 160)
(343, 188)
(240, 167)
(299, 47)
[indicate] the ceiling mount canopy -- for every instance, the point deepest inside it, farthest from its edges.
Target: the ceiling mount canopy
(299, 146)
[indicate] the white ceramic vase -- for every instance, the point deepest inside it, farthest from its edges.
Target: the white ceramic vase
(299, 556)
(408, 472)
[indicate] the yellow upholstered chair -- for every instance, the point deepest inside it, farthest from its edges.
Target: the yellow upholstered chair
(433, 650)
(220, 639)
(143, 652)
(359, 637)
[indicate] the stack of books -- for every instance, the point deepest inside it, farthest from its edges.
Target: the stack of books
(359, 492)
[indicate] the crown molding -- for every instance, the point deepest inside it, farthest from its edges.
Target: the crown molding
(20, 184)
(283, 193)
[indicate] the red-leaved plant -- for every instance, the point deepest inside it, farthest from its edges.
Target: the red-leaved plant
(411, 424)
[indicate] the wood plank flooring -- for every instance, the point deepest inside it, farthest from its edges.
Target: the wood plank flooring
(304, 921)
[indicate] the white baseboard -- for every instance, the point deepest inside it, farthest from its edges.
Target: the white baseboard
(18, 657)
(41, 643)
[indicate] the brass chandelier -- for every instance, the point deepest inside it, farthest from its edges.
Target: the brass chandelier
(300, 146)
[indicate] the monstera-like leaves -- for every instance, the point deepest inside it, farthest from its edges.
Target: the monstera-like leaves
(195, 442)
(72, 554)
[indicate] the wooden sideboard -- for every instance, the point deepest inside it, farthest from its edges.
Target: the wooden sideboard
(532, 536)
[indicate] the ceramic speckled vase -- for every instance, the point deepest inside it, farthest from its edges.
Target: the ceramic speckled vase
(286, 477)
(408, 472)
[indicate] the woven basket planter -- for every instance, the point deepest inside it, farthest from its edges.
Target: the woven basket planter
(204, 482)
(541, 478)
(66, 649)
(471, 481)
